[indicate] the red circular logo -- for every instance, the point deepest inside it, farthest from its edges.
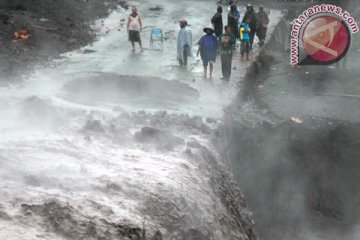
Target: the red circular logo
(326, 38)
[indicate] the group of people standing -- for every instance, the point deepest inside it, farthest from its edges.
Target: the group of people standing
(223, 38)
(217, 38)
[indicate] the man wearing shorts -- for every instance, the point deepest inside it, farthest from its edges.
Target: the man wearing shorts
(134, 27)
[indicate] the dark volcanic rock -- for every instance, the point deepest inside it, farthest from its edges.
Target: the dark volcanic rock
(72, 223)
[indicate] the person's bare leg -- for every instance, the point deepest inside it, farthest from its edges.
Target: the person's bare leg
(205, 71)
(211, 70)
(140, 45)
(133, 46)
(248, 49)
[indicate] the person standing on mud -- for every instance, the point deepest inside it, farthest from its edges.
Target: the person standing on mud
(250, 15)
(227, 41)
(217, 22)
(207, 49)
(233, 20)
(245, 31)
(134, 27)
(262, 24)
(184, 43)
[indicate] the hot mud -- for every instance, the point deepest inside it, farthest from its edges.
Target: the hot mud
(118, 175)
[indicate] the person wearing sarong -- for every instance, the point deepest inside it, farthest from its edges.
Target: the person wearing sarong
(227, 41)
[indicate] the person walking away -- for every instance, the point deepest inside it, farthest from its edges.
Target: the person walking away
(233, 20)
(262, 24)
(184, 43)
(217, 22)
(245, 31)
(227, 41)
(251, 16)
(134, 27)
(207, 49)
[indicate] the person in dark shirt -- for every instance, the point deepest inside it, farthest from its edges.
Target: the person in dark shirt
(262, 24)
(217, 22)
(233, 20)
(227, 41)
(251, 16)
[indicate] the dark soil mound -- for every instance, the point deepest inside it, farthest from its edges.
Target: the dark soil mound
(54, 27)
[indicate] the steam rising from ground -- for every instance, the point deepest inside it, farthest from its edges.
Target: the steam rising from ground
(76, 158)
(300, 179)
